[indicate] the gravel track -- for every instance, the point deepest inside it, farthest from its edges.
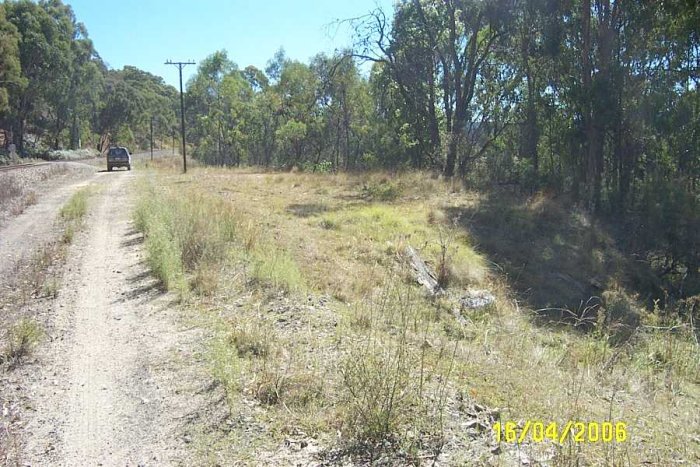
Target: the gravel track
(53, 185)
(119, 380)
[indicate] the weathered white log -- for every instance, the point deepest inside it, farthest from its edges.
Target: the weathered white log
(424, 276)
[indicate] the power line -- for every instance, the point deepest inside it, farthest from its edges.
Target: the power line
(180, 66)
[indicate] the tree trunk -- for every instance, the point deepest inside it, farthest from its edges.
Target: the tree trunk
(532, 135)
(75, 132)
(337, 144)
(531, 131)
(433, 121)
(57, 134)
(19, 136)
(424, 276)
(451, 159)
(590, 128)
(346, 131)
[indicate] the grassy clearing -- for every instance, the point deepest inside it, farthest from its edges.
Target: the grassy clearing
(319, 329)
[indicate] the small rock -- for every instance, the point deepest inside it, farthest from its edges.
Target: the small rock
(477, 299)
(475, 424)
(523, 458)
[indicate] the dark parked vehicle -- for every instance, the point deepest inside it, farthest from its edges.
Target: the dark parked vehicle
(118, 157)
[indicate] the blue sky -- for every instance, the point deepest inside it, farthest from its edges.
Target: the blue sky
(145, 33)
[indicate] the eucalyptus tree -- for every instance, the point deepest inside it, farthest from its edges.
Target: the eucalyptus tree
(86, 86)
(205, 102)
(297, 87)
(437, 52)
(344, 103)
(10, 69)
(402, 48)
(263, 121)
(46, 32)
(131, 97)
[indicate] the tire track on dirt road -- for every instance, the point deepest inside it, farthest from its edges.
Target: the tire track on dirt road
(114, 385)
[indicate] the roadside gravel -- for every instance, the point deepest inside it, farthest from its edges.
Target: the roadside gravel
(29, 202)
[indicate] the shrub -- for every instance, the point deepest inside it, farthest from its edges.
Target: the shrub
(378, 382)
(322, 167)
(277, 385)
(328, 224)
(21, 338)
(617, 317)
(394, 384)
(68, 155)
(250, 340)
(382, 191)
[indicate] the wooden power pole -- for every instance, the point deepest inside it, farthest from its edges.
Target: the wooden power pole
(180, 66)
(151, 137)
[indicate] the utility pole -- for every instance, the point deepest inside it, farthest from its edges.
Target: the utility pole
(180, 66)
(151, 137)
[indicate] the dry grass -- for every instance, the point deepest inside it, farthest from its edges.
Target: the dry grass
(319, 329)
(10, 188)
(17, 189)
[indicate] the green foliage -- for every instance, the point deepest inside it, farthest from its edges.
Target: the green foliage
(669, 240)
(54, 84)
(291, 136)
(9, 60)
(220, 96)
(322, 167)
(51, 51)
(618, 318)
(131, 98)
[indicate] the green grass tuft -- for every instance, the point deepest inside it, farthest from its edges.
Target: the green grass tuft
(76, 208)
(21, 338)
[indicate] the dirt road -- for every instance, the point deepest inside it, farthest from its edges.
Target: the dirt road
(20, 236)
(111, 385)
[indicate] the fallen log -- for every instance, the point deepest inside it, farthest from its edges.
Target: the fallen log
(424, 276)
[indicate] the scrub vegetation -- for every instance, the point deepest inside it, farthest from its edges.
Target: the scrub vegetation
(321, 334)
